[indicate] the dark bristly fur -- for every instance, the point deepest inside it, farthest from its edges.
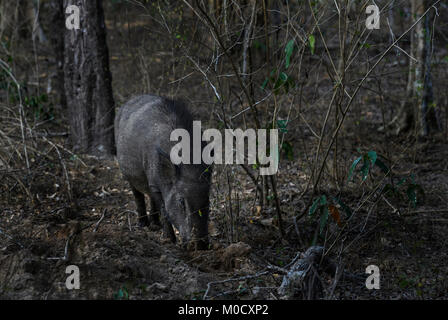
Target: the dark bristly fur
(180, 193)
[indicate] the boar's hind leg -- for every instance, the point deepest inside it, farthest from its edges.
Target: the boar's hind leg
(143, 220)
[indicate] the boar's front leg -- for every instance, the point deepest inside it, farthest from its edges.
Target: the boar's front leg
(143, 220)
(168, 231)
(158, 210)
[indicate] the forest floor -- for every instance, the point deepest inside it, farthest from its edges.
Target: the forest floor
(117, 259)
(96, 228)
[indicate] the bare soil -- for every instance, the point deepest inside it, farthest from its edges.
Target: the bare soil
(119, 260)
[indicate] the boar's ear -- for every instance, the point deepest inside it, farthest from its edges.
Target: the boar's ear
(166, 156)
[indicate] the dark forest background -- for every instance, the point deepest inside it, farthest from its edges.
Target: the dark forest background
(362, 115)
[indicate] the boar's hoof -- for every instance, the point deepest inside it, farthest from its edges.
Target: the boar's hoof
(195, 245)
(154, 222)
(168, 233)
(143, 222)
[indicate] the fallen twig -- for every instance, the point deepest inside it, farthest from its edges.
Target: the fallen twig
(99, 221)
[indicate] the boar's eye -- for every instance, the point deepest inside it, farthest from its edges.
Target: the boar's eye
(181, 203)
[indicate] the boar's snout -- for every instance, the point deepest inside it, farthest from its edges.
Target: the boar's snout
(189, 214)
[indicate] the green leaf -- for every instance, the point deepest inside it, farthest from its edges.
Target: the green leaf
(323, 200)
(352, 168)
(314, 207)
(282, 81)
(122, 294)
(283, 76)
(365, 45)
(278, 83)
(265, 83)
(289, 50)
(323, 218)
(401, 182)
(372, 157)
(365, 169)
(287, 147)
(312, 41)
(281, 123)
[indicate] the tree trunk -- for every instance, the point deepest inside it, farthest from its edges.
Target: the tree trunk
(57, 23)
(417, 110)
(88, 85)
(429, 116)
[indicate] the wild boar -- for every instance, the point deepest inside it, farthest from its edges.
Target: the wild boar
(179, 194)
